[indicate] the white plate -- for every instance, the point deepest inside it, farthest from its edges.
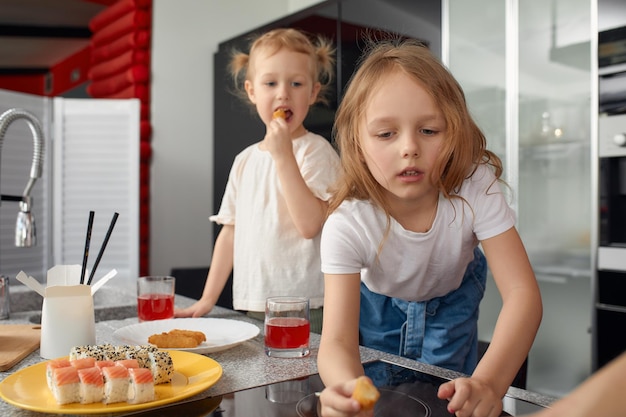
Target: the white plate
(221, 334)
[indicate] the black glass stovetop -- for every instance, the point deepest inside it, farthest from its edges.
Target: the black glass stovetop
(404, 392)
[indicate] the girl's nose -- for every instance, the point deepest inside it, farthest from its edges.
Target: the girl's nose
(283, 92)
(410, 148)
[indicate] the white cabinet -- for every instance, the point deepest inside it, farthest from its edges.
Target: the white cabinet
(526, 68)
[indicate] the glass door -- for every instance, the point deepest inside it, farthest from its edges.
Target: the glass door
(526, 70)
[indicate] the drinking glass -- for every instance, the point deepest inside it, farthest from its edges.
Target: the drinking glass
(155, 297)
(287, 327)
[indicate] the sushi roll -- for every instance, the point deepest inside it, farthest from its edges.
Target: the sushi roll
(104, 364)
(121, 352)
(91, 385)
(162, 366)
(128, 363)
(65, 385)
(106, 352)
(78, 352)
(115, 384)
(82, 363)
(140, 386)
(53, 364)
(141, 355)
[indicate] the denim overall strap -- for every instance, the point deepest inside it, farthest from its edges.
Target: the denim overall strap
(442, 331)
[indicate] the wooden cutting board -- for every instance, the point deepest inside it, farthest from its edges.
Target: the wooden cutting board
(16, 342)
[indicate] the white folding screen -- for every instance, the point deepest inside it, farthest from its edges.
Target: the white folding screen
(96, 167)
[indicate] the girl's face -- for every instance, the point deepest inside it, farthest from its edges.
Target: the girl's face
(401, 135)
(283, 81)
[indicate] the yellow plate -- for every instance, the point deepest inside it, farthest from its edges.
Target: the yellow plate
(193, 374)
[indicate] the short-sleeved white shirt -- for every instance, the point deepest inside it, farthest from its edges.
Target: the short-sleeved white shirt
(416, 266)
(270, 256)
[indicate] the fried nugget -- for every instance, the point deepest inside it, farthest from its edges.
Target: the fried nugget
(365, 393)
(279, 113)
(198, 336)
(167, 340)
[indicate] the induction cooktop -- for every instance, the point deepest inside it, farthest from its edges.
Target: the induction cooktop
(404, 392)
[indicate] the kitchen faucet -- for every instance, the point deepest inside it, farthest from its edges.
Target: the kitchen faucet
(25, 231)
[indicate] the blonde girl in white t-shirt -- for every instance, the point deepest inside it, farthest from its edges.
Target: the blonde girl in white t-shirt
(403, 271)
(275, 200)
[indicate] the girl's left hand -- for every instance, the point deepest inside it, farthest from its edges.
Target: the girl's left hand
(470, 397)
(277, 139)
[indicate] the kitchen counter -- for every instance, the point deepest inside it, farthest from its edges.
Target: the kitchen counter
(244, 366)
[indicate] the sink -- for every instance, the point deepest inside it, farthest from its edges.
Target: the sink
(101, 314)
(24, 300)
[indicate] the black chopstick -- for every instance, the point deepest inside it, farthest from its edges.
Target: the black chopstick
(104, 245)
(86, 251)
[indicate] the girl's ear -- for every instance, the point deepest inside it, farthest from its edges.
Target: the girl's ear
(314, 92)
(249, 90)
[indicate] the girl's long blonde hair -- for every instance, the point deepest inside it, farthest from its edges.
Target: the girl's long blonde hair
(464, 146)
(319, 50)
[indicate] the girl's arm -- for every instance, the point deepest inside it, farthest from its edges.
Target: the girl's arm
(514, 332)
(219, 271)
(338, 360)
(306, 210)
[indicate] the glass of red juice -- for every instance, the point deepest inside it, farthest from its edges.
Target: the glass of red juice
(287, 327)
(155, 297)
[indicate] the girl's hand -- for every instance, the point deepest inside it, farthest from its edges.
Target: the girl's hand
(278, 140)
(198, 309)
(337, 401)
(470, 397)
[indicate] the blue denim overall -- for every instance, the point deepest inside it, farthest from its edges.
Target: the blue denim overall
(442, 331)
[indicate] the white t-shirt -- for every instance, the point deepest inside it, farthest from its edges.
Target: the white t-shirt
(415, 266)
(270, 255)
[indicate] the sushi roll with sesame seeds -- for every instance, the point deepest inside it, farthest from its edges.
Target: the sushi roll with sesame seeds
(162, 366)
(140, 386)
(79, 352)
(140, 354)
(65, 385)
(121, 352)
(115, 384)
(91, 385)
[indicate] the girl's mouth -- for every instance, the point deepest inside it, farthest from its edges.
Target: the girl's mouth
(410, 173)
(282, 113)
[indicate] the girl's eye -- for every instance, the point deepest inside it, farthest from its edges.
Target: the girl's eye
(428, 132)
(270, 83)
(384, 135)
(296, 84)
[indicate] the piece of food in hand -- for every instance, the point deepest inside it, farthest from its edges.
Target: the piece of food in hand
(279, 113)
(365, 393)
(177, 339)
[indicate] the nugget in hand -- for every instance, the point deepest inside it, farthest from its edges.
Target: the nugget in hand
(365, 393)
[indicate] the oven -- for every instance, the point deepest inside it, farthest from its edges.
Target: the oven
(610, 282)
(404, 392)
(612, 71)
